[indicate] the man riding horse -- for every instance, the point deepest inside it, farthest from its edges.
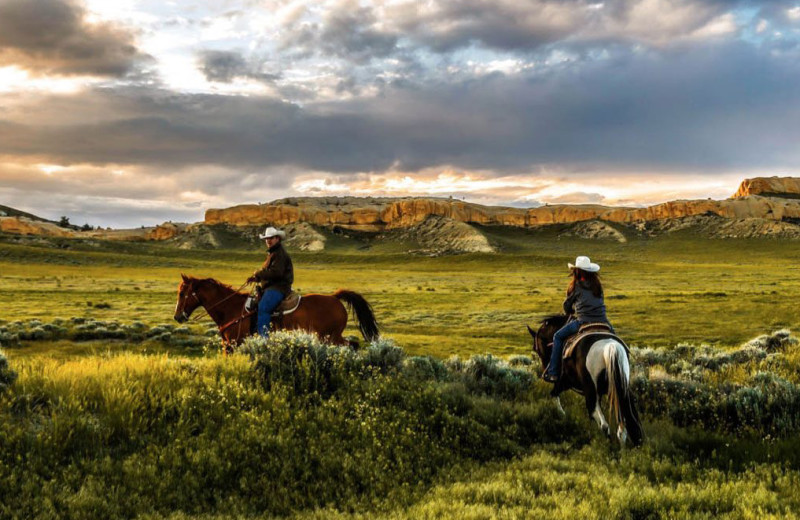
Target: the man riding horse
(274, 279)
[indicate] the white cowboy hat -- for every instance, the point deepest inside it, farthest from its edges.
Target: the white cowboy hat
(584, 264)
(272, 232)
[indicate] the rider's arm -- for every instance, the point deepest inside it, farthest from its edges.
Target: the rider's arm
(276, 270)
(569, 302)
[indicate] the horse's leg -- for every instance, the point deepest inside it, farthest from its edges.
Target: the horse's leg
(560, 408)
(594, 410)
(593, 384)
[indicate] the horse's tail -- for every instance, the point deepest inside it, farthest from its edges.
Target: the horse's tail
(620, 397)
(363, 312)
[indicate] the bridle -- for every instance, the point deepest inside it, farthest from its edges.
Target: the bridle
(199, 304)
(198, 317)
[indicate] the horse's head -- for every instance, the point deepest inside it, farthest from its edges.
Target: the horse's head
(543, 337)
(188, 300)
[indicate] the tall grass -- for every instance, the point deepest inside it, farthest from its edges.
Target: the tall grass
(291, 424)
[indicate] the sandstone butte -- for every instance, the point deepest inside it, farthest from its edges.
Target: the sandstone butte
(765, 198)
(26, 226)
(786, 187)
(771, 198)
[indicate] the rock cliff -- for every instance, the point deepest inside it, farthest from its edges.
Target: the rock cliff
(783, 187)
(27, 226)
(371, 214)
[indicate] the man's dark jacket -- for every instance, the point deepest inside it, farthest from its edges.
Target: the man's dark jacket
(277, 271)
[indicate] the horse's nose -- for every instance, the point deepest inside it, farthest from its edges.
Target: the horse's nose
(180, 318)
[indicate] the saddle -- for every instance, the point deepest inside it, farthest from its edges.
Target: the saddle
(288, 305)
(599, 330)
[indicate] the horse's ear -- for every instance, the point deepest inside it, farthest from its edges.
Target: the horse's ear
(532, 332)
(184, 277)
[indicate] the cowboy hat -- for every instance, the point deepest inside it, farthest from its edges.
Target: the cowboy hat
(584, 264)
(272, 232)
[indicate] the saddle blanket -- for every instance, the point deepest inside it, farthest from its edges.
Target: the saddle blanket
(288, 305)
(600, 330)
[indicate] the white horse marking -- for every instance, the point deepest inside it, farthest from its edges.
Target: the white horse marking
(604, 355)
(560, 408)
(600, 419)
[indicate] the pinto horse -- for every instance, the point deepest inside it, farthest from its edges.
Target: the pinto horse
(598, 366)
(320, 314)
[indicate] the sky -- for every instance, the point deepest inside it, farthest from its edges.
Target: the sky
(121, 113)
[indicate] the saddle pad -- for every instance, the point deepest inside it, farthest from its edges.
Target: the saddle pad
(596, 327)
(289, 304)
(573, 341)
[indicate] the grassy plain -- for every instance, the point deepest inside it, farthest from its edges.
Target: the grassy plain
(115, 428)
(659, 291)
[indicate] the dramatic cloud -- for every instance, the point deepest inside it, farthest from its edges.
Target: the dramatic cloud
(345, 29)
(499, 101)
(365, 31)
(225, 66)
(711, 108)
(54, 37)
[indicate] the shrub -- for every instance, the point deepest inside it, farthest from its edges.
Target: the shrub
(384, 355)
(778, 340)
(425, 368)
(7, 375)
(520, 361)
(491, 376)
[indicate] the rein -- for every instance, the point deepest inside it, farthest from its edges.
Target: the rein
(234, 321)
(200, 316)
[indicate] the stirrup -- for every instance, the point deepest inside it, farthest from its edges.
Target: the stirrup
(549, 378)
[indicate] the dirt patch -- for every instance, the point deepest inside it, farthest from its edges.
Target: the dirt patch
(441, 235)
(714, 226)
(594, 230)
(304, 237)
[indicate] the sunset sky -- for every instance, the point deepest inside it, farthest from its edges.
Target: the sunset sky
(132, 112)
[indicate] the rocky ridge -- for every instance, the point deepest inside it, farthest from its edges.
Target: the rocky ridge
(381, 214)
(761, 207)
(782, 187)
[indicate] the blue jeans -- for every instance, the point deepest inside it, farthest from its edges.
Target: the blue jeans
(554, 368)
(266, 305)
(559, 338)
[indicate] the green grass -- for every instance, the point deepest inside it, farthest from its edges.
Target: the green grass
(148, 427)
(660, 291)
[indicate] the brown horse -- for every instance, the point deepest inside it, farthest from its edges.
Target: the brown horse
(320, 314)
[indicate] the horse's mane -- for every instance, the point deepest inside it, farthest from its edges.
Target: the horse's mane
(213, 281)
(553, 317)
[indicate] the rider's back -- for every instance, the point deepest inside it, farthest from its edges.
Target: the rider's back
(585, 305)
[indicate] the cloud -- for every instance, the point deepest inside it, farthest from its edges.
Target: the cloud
(365, 31)
(225, 66)
(130, 196)
(55, 37)
(577, 197)
(713, 108)
(344, 29)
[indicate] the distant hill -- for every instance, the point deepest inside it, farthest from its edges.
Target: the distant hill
(7, 211)
(773, 198)
(761, 207)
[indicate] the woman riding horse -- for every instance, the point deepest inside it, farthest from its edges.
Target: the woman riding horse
(598, 364)
(585, 301)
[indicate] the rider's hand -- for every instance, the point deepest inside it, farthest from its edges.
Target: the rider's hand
(252, 279)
